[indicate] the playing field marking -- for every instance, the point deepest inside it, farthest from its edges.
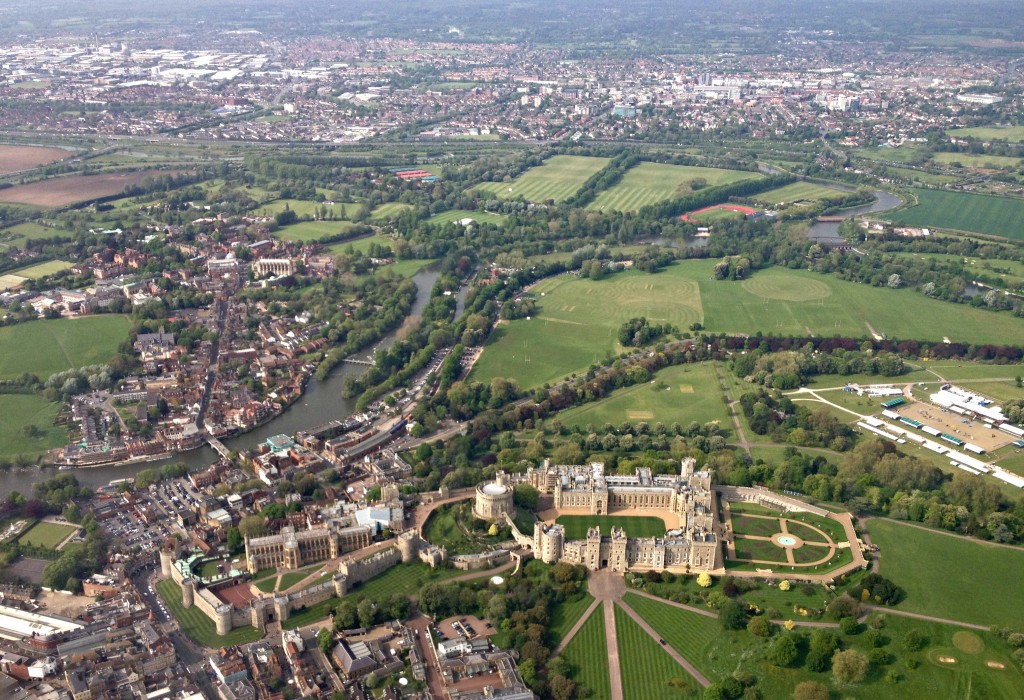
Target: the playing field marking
(639, 415)
(686, 388)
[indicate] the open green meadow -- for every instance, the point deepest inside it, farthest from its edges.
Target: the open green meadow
(557, 179)
(47, 535)
(566, 614)
(717, 654)
(34, 272)
(22, 410)
(20, 234)
(481, 217)
(46, 347)
(1013, 134)
(305, 207)
(648, 672)
(403, 579)
(1011, 271)
(690, 392)
(952, 577)
(576, 526)
(389, 210)
(587, 654)
(961, 211)
(907, 153)
(292, 577)
(578, 319)
(306, 231)
(970, 160)
(797, 193)
(361, 245)
(197, 625)
(650, 183)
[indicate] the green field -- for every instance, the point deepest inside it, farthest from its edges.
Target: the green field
(557, 179)
(482, 217)
(34, 272)
(47, 535)
(650, 183)
(20, 234)
(578, 319)
(566, 614)
(952, 577)
(267, 585)
(969, 160)
(797, 193)
(306, 231)
(1013, 134)
(292, 577)
(647, 669)
(587, 653)
(404, 579)
(692, 393)
(21, 410)
(197, 625)
(389, 210)
(907, 153)
(46, 347)
(576, 525)
(304, 207)
(979, 213)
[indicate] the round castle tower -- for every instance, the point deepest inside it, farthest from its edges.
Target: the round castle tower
(188, 592)
(494, 499)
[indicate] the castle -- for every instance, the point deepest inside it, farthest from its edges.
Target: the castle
(693, 546)
(291, 549)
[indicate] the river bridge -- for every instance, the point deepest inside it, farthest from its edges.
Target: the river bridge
(354, 361)
(216, 444)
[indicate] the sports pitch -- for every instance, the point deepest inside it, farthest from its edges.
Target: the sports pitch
(798, 193)
(47, 535)
(650, 183)
(46, 347)
(557, 179)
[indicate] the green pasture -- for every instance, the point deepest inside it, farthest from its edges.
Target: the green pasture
(681, 394)
(798, 193)
(566, 614)
(971, 160)
(1011, 271)
(961, 211)
(556, 179)
(47, 535)
(46, 347)
(952, 577)
(587, 654)
(361, 245)
(197, 625)
(35, 272)
(1013, 134)
(648, 672)
(480, 217)
(650, 183)
(389, 210)
(307, 231)
(921, 176)
(19, 412)
(20, 234)
(907, 153)
(576, 526)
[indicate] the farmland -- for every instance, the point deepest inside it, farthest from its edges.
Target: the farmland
(47, 535)
(1013, 134)
(648, 671)
(578, 319)
(557, 179)
(59, 192)
(197, 625)
(587, 653)
(994, 216)
(576, 526)
(798, 193)
(969, 160)
(19, 412)
(17, 158)
(46, 347)
(650, 183)
(681, 394)
(952, 577)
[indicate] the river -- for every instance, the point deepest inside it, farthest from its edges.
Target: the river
(321, 402)
(829, 232)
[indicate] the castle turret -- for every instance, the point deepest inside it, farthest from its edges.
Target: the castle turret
(188, 593)
(223, 619)
(340, 585)
(168, 553)
(281, 608)
(409, 546)
(258, 613)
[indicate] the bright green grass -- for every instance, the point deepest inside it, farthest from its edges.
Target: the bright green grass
(713, 215)
(267, 585)
(34, 272)
(306, 231)
(197, 625)
(566, 615)
(404, 579)
(292, 577)
(18, 235)
(304, 207)
(650, 183)
(761, 527)
(578, 321)
(576, 525)
(647, 669)
(47, 535)
(557, 179)
(482, 217)
(961, 211)
(969, 160)
(921, 176)
(966, 371)
(46, 347)
(389, 210)
(952, 577)
(693, 393)
(797, 192)
(698, 639)
(1013, 134)
(360, 244)
(587, 653)
(1000, 390)
(20, 410)
(907, 153)
(1012, 271)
